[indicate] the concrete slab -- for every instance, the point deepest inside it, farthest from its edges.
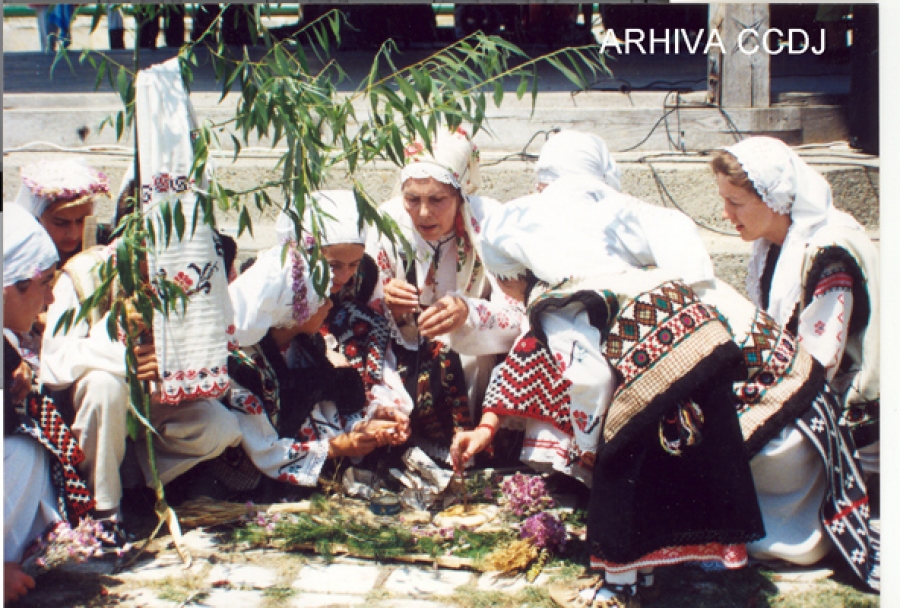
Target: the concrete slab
(343, 578)
(147, 598)
(413, 604)
(199, 542)
(415, 581)
(325, 600)
(494, 581)
(242, 575)
(167, 565)
(229, 598)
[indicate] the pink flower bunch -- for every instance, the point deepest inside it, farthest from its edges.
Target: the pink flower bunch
(525, 494)
(546, 531)
(65, 544)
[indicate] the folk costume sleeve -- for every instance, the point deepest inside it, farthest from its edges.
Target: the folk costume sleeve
(66, 357)
(824, 324)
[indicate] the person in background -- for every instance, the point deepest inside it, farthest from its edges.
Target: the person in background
(61, 194)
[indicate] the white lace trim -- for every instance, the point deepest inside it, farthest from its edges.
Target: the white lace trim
(423, 169)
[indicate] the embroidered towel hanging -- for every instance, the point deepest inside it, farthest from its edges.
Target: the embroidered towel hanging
(191, 346)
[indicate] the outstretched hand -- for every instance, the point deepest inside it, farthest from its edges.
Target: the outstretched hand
(466, 444)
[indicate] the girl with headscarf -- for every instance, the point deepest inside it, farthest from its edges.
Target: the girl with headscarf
(814, 271)
(620, 373)
(61, 194)
(300, 402)
(36, 439)
(449, 320)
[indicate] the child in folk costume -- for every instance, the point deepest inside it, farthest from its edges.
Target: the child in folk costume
(36, 440)
(61, 194)
(449, 320)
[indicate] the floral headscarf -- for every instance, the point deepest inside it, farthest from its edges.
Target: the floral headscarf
(48, 181)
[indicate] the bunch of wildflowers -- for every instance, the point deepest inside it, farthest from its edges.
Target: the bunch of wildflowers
(65, 544)
(545, 531)
(525, 494)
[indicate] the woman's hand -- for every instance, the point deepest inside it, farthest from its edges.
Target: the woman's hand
(352, 445)
(393, 414)
(16, 583)
(446, 315)
(337, 359)
(385, 431)
(466, 444)
(401, 298)
(22, 378)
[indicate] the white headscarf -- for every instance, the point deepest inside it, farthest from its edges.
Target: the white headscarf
(788, 186)
(538, 233)
(454, 161)
(27, 248)
(272, 294)
(573, 153)
(339, 221)
(48, 181)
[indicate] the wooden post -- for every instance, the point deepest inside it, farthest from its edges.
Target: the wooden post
(738, 78)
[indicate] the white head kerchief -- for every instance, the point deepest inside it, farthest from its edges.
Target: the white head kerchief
(454, 162)
(27, 248)
(49, 181)
(787, 185)
(272, 293)
(338, 222)
(573, 153)
(537, 232)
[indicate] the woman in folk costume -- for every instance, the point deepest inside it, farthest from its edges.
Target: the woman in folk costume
(644, 234)
(351, 328)
(633, 376)
(35, 439)
(299, 403)
(61, 194)
(814, 271)
(448, 317)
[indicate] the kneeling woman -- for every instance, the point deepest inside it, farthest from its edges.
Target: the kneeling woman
(663, 447)
(302, 402)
